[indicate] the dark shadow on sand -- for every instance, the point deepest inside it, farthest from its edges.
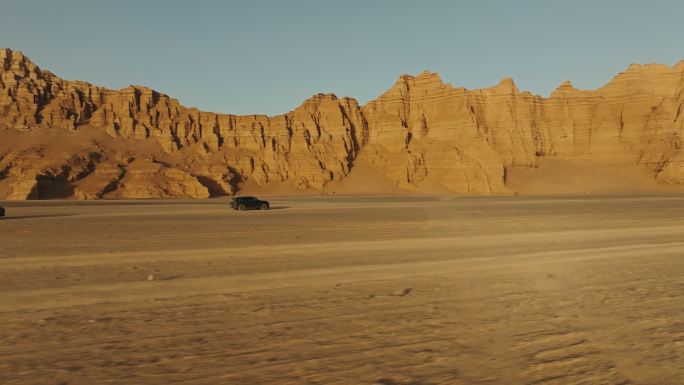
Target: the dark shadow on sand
(9, 218)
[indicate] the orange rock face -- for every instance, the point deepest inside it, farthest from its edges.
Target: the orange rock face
(71, 139)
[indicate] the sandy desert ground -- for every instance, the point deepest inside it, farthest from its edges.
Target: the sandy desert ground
(345, 290)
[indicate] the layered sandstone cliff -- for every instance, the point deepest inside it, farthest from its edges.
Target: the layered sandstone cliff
(64, 139)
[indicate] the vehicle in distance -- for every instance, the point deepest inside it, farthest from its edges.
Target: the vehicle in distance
(2, 212)
(249, 203)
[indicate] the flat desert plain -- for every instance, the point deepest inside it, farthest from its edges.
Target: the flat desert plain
(345, 290)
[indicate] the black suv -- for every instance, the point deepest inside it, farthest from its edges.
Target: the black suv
(2, 212)
(246, 203)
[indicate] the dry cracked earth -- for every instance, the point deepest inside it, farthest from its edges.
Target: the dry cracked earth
(345, 290)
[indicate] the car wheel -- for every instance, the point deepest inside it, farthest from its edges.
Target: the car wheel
(242, 207)
(264, 206)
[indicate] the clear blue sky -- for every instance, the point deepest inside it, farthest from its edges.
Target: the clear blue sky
(267, 56)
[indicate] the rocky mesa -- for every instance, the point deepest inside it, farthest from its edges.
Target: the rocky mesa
(72, 139)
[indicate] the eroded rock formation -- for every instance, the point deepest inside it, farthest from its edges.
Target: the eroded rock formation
(71, 139)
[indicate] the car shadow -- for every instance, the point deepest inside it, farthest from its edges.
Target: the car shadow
(11, 218)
